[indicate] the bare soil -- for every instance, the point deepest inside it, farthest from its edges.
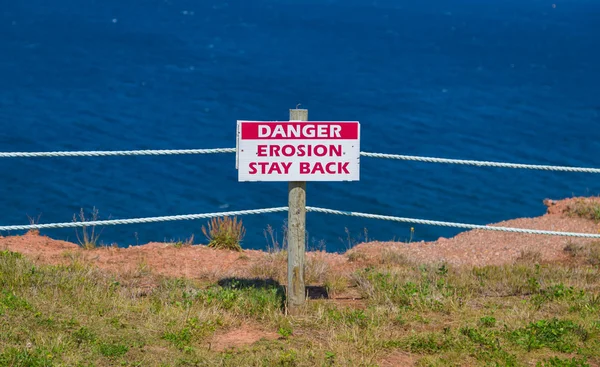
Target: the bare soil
(470, 248)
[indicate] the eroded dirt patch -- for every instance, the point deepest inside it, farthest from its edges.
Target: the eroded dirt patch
(240, 337)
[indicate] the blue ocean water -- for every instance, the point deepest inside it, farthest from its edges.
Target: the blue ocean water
(515, 81)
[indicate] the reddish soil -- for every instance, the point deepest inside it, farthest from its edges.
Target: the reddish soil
(476, 247)
(239, 337)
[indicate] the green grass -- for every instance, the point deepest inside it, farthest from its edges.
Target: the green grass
(518, 315)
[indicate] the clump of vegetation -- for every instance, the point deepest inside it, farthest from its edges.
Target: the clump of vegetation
(589, 253)
(225, 233)
(87, 237)
(588, 209)
(183, 243)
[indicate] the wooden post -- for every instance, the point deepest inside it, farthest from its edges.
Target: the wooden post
(296, 234)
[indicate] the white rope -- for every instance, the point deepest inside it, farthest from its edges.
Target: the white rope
(141, 220)
(450, 224)
(479, 163)
(283, 209)
(233, 150)
(114, 153)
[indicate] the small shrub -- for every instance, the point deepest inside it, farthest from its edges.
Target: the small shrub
(285, 331)
(225, 233)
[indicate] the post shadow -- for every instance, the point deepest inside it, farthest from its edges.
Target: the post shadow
(312, 291)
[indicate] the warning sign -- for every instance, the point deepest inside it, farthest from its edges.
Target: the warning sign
(298, 151)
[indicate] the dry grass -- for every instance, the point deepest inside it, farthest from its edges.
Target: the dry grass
(529, 257)
(87, 235)
(391, 257)
(272, 266)
(182, 243)
(587, 208)
(316, 268)
(587, 253)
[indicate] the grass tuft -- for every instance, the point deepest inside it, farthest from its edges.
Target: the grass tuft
(225, 233)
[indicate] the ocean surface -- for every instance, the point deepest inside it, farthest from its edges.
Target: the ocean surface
(513, 81)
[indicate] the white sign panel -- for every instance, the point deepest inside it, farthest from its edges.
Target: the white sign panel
(298, 150)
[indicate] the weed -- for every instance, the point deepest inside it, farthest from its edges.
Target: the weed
(554, 334)
(180, 243)
(225, 233)
(88, 239)
(113, 350)
(83, 335)
(285, 331)
(556, 292)
(429, 343)
(25, 357)
(11, 301)
(330, 358)
(483, 338)
(487, 321)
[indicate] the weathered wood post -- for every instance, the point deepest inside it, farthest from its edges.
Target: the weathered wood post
(296, 233)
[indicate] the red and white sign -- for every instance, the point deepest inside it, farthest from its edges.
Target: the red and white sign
(298, 151)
